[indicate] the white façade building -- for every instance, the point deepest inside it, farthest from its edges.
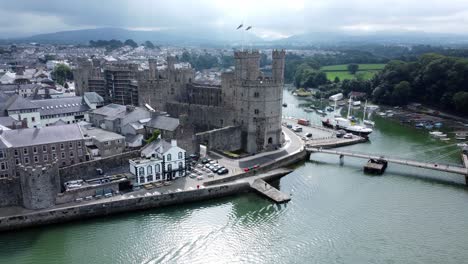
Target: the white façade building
(160, 161)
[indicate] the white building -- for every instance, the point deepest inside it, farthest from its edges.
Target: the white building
(160, 161)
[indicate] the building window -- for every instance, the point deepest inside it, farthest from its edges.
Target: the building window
(2, 154)
(44, 148)
(141, 172)
(54, 156)
(63, 155)
(181, 173)
(169, 157)
(181, 165)
(180, 155)
(35, 150)
(26, 160)
(169, 167)
(36, 159)
(17, 161)
(70, 144)
(256, 94)
(149, 170)
(71, 154)
(62, 146)
(256, 111)
(16, 152)
(158, 176)
(33, 119)
(157, 168)
(46, 158)
(80, 152)
(142, 179)
(3, 166)
(149, 178)
(25, 151)
(53, 147)
(78, 144)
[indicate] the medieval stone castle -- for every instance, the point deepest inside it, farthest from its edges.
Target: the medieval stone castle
(244, 112)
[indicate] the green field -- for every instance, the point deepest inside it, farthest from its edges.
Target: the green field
(341, 71)
(344, 67)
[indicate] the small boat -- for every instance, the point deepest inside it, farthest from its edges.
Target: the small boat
(321, 112)
(308, 109)
(381, 113)
(329, 109)
(356, 103)
(445, 139)
(428, 126)
(285, 105)
(438, 125)
(462, 145)
(435, 133)
(390, 114)
(460, 138)
(440, 135)
(369, 123)
(419, 125)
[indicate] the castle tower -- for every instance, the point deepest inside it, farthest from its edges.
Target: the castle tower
(39, 185)
(258, 102)
(171, 61)
(247, 65)
(278, 65)
(153, 69)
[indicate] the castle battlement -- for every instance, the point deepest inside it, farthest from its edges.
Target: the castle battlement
(279, 54)
(246, 54)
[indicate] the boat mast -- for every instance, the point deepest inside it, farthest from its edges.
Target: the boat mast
(364, 114)
(349, 105)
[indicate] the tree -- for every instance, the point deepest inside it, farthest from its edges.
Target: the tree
(153, 137)
(337, 79)
(460, 100)
(62, 73)
(149, 44)
(131, 43)
(353, 68)
(66, 85)
(401, 93)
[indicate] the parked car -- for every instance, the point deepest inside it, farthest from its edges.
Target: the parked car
(309, 135)
(348, 136)
(297, 129)
(289, 126)
(206, 160)
(223, 171)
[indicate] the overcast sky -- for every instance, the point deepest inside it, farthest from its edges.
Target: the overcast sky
(269, 18)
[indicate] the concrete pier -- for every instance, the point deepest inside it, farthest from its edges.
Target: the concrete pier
(269, 191)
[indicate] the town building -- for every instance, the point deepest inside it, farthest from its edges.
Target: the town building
(40, 146)
(46, 112)
(101, 143)
(160, 161)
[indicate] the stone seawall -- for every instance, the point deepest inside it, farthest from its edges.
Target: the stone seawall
(299, 156)
(118, 204)
(87, 170)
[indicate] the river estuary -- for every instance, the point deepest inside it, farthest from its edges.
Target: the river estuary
(336, 215)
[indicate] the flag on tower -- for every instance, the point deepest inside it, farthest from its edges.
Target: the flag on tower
(239, 26)
(249, 27)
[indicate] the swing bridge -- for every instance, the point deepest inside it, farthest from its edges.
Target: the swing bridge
(432, 165)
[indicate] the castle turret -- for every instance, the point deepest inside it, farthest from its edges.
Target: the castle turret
(278, 65)
(153, 69)
(39, 185)
(247, 65)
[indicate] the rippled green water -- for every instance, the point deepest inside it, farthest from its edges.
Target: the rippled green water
(337, 215)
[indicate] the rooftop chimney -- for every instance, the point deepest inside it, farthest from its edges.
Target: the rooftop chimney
(173, 142)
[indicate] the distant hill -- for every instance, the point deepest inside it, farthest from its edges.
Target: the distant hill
(376, 38)
(158, 37)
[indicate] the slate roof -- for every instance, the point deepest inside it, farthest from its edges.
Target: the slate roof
(93, 97)
(17, 102)
(61, 105)
(38, 136)
(163, 123)
(7, 121)
(110, 110)
(158, 146)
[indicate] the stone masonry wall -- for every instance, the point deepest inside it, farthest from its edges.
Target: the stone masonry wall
(87, 170)
(228, 138)
(10, 192)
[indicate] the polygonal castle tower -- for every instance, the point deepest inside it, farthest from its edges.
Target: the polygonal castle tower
(39, 185)
(258, 100)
